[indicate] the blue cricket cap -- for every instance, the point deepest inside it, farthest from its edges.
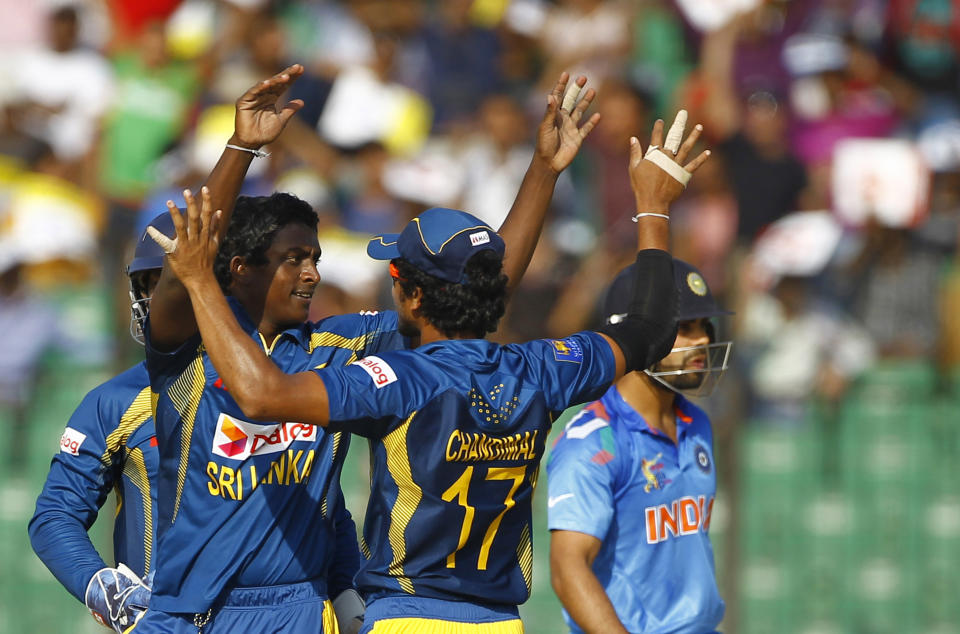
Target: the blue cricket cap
(694, 297)
(438, 242)
(148, 254)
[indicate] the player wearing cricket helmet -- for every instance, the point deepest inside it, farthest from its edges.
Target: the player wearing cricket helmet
(632, 482)
(109, 444)
(144, 272)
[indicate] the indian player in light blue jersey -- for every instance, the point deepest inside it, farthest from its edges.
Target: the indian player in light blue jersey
(108, 445)
(632, 482)
(458, 423)
(248, 504)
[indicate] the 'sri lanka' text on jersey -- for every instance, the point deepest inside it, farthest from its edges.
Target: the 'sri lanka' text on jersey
(458, 431)
(245, 503)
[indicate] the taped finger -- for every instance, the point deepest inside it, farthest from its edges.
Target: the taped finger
(570, 98)
(664, 162)
(675, 135)
(168, 245)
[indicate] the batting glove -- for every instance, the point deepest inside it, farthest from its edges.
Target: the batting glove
(117, 597)
(349, 609)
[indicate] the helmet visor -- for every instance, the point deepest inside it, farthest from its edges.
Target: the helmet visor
(702, 369)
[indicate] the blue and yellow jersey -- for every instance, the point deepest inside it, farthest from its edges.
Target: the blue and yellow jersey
(649, 501)
(109, 444)
(248, 503)
(459, 429)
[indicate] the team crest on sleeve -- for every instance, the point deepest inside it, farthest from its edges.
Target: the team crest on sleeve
(71, 440)
(702, 456)
(567, 350)
(378, 369)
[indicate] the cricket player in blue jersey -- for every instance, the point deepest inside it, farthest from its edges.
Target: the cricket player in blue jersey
(109, 444)
(459, 423)
(245, 506)
(631, 486)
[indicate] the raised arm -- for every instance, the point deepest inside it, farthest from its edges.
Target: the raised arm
(559, 138)
(658, 177)
(261, 389)
(258, 121)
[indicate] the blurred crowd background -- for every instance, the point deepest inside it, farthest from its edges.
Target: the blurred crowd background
(828, 218)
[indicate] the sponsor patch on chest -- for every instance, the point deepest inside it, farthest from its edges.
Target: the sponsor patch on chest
(239, 439)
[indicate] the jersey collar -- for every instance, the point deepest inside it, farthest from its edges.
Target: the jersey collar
(616, 406)
(300, 334)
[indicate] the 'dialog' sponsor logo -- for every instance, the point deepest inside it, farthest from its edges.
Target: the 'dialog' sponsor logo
(239, 439)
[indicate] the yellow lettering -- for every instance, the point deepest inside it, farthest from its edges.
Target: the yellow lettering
(226, 482)
(239, 483)
(212, 486)
(253, 477)
(276, 467)
(464, 447)
(307, 464)
(451, 456)
(294, 460)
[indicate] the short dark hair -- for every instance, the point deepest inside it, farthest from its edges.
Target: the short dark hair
(253, 226)
(474, 307)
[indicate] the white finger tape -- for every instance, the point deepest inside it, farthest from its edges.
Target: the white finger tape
(666, 163)
(168, 245)
(570, 98)
(675, 135)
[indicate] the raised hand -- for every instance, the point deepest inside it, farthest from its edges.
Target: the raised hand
(560, 134)
(659, 176)
(258, 121)
(192, 253)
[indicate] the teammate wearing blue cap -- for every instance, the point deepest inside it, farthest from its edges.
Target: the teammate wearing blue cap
(109, 444)
(246, 507)
(459, 423)
(632, 482)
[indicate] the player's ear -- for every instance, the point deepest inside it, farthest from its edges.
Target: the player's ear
(238, 267)
(416, 297)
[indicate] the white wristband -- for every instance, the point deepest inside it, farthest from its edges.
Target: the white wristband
(649, 213)
(256, 153)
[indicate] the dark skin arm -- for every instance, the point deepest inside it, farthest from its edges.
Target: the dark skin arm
(258, 121)
(559, 138)
(654, 190)
(265, 392)
(572, 578)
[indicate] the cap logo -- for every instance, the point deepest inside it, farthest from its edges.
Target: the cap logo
(696, 284)
(480, 237)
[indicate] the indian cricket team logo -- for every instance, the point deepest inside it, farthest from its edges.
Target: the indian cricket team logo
(696, 284)
(652, 472)
(567, 350)
(702, 456)
(238, 439)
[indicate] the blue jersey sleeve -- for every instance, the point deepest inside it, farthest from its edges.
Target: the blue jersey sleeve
(573, 370)
(76, 487)
(347, 558)
(581, 477)
(165, 366)
(385, 335)
(372, 395)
